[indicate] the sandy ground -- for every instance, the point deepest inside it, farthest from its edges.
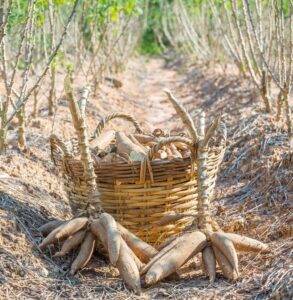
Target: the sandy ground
(253, 196)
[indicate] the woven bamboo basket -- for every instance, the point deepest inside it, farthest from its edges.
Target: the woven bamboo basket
(139, 194)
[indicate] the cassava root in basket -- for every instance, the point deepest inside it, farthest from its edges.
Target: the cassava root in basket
(111, 146)
(125, 147)
(102, 141)
(128, 148)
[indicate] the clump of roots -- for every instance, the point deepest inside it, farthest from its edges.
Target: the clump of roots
(215, 247)
(126, 251)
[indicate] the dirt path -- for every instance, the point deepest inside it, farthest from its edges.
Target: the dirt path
(147, 87)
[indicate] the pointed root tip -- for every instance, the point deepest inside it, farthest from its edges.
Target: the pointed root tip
(113, 262)
(212, 279)
(137, 290)
(167, 91)
(151, 278)
(235, 276)
(58, 254)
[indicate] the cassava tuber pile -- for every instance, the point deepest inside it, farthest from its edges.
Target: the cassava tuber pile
(215, 247)
(126, 251)
(123, 147)
(132, 256)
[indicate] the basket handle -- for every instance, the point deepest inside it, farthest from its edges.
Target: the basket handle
(164, 142)
(57, 145)
(116, 115)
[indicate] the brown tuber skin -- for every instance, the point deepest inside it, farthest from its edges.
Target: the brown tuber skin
(209, 262)
(103, 140)
(184, 248)
(71, 227)
(126, 146)
(128, 264)
(50, 226)
(71, 243)
(173, 254)
(113, 236)
(246, 244)
(85, 253)
(100, 232)
(142, 250)
(227, 248)
(128, 269)
(51, 238)
(136, 142)
(226, 267)
(167, 242)
(139, 264)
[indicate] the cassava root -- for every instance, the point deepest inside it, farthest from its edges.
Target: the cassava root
(221, 249)
(126, 251)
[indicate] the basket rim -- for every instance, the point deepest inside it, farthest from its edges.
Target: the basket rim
(73, 156)
(155, 162)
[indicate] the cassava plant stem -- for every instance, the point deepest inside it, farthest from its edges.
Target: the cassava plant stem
(21, 128)
(52, 92)
(45, 70)
(93, 203)
(36, 103)
(203, 196)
